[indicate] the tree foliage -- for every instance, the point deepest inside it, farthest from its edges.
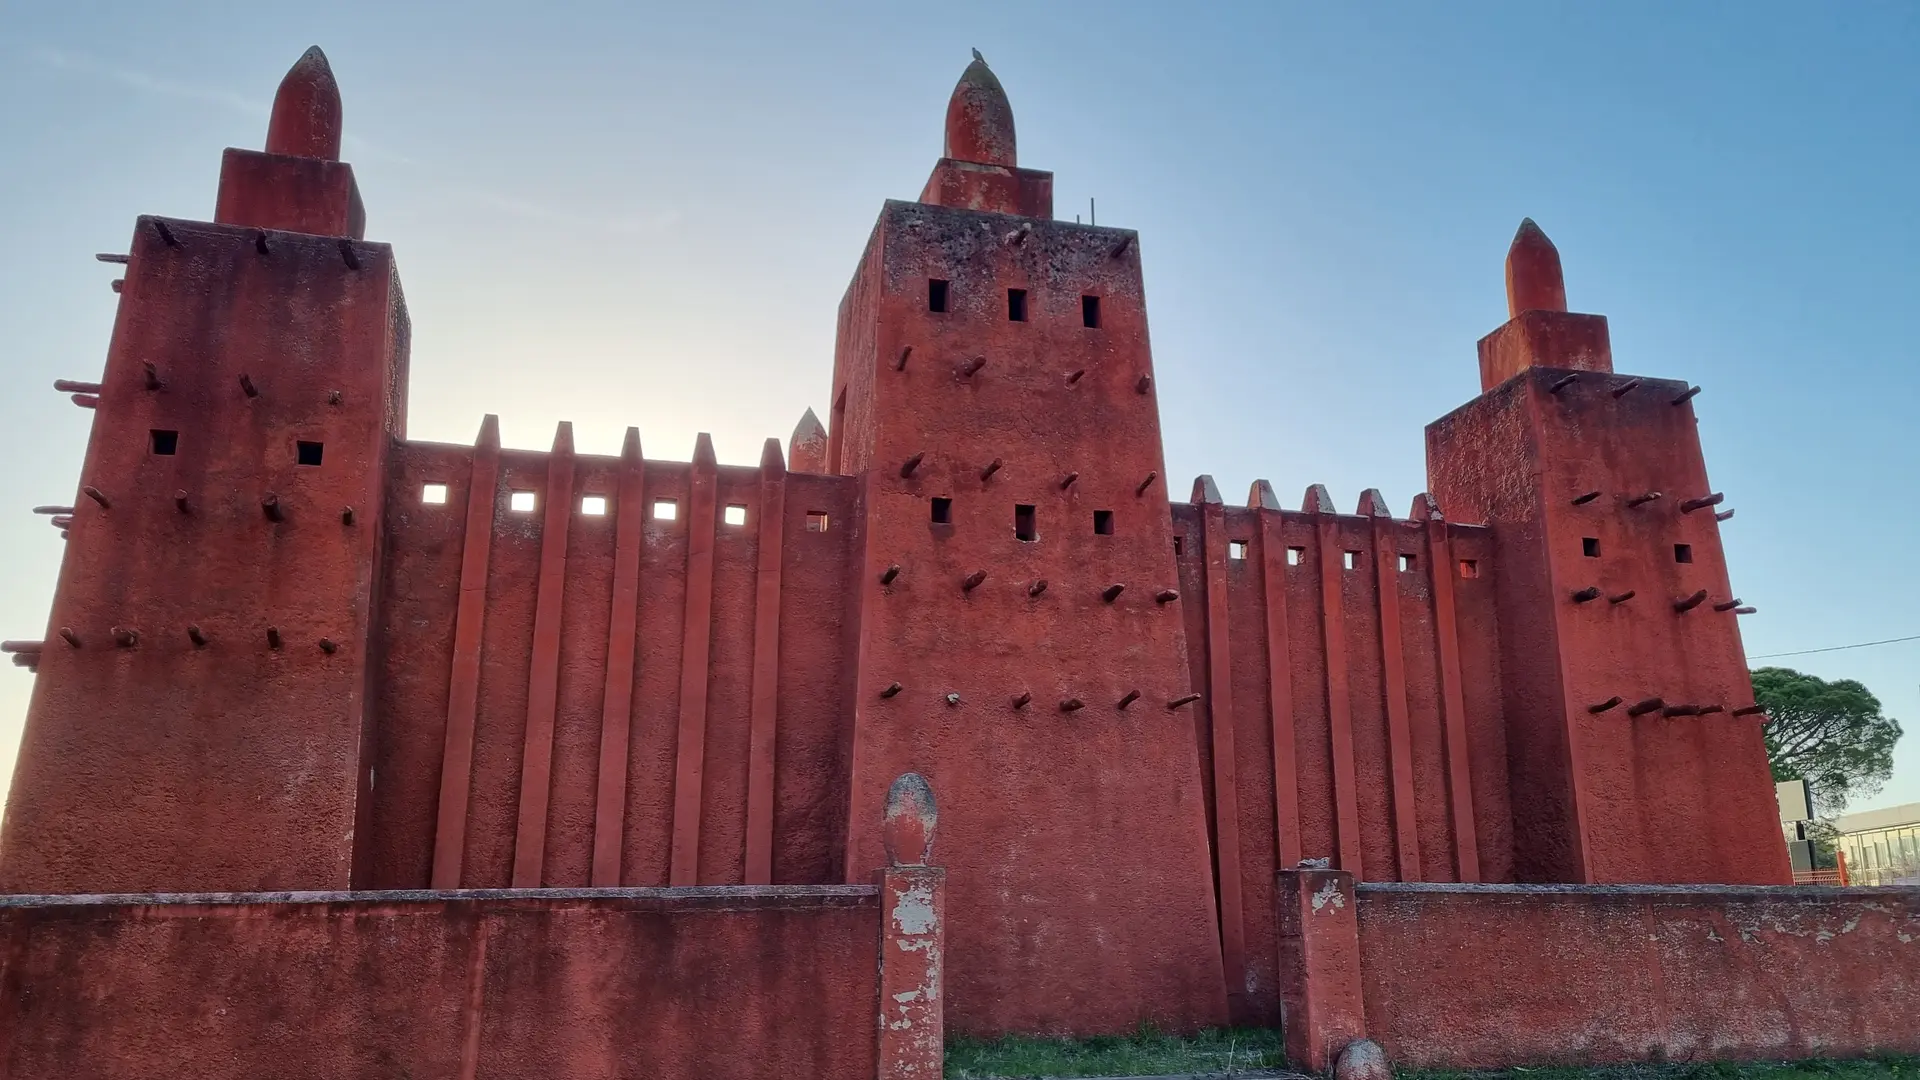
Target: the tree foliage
(1830, 734)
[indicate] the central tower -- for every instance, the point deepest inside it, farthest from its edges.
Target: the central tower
(1019, 637)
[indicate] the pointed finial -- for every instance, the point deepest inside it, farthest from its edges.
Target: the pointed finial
(1373, 504)
(489, 432)
(306, 110)
(979, 118)
(1317, 500)
(1205, 490)
(1425, 508)
(630, 447)
(911, 820)
(1534, 280)
(807, 450)
(703, 456)
(771, 463)
(563, 437)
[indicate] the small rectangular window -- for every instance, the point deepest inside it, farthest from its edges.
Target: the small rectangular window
(1351, 559)
(665, 510)
(521, 502)
(1016, 305)
(1024, 525)
(1407, 563)
(308, 453)
(1090, 311)
(936, 295)
(433, 494)
(1179, 545)
(1469, 568)
(816, 521)
(1236, 549)
(734, 514)
(1683, 553)
(1590, 546)
(1294, 555)
(942, 511)
(1103, 522)
(593, 505)
(166, 443)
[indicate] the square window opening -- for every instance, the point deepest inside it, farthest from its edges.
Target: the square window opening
(308, 453)
(1469, 568)
(1295, 555)
(665, 510)
(1590, 546)
(1683, 553)
(816, 521)
(1090, 311)
(734, 514)
(1407, 563)
(1025, 527)
(936, 295)
(433, 494)
(521, 502)
(1179, 545)
(942, 511)
(1016, 305)
(593, 505)
(165, 443)
(1236, 549)
(1103, 522)
(1350, 559)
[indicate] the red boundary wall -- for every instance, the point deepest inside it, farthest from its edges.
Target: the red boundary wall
(708, 982)
(1499, 975)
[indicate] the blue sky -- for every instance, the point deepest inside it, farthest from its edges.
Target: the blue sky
(643, 214)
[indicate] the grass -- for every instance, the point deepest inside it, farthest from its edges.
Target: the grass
(1146, 1052)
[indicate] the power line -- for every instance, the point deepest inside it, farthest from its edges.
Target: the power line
(1836, 648)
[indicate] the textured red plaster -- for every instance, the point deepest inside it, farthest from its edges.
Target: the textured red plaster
(1503, 975)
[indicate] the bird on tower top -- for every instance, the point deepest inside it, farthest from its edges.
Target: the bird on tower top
(979, 118)
(1534, 280)
(306, 110)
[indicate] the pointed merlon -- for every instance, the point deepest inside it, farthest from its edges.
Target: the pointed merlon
(1373, 504)
(771, 463)
(807, 449)
(1206, 491)
(489, 438)
(1261, 496)
(306, 111)
(1425, 508)
(1534, 279)
(980, 119)
(703, 456)
(563, 438)
(630, 448)
(1317, 501)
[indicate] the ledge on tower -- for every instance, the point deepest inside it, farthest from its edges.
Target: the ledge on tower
(979, 169)
(298, 184)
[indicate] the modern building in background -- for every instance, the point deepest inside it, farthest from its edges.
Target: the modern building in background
(1881, 847)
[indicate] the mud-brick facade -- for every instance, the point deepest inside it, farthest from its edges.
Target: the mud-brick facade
(292, 649)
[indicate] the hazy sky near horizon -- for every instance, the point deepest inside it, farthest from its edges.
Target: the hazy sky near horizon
(619, 213)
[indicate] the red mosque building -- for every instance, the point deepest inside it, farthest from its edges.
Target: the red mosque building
(293, 650)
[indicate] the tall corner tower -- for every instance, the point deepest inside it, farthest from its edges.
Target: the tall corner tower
(1635, 746)
(1020, 642)
(198, 721)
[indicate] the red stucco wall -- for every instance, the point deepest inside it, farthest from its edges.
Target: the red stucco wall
(708, 983)
(1504, 975)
